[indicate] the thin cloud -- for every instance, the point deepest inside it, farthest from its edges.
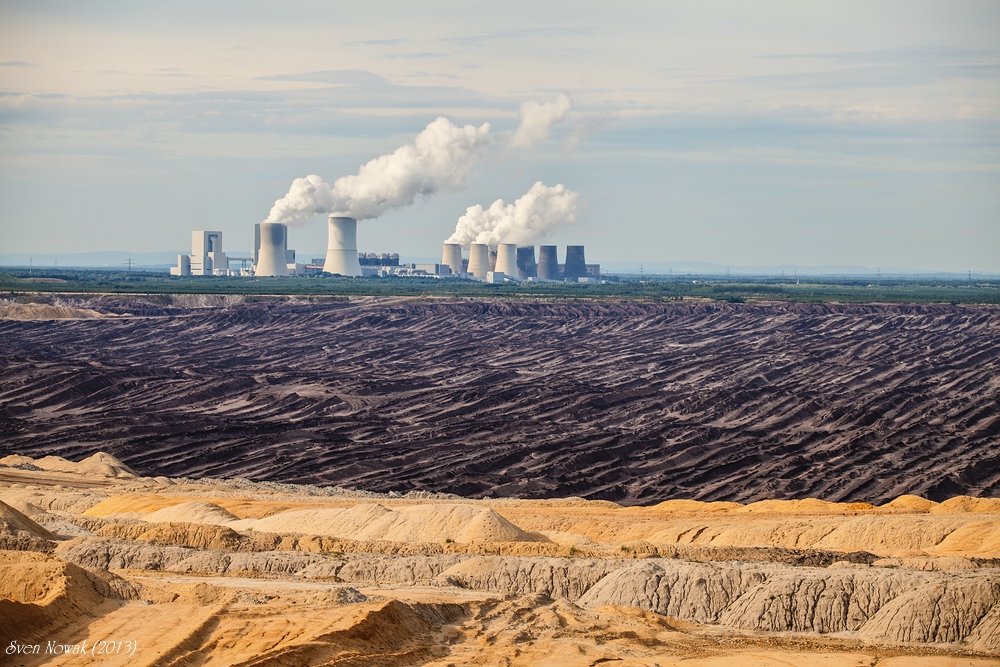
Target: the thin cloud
(396, 41)
(521, 33)
(414, 56)
(18, 63)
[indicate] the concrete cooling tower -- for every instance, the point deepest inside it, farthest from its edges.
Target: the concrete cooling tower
(479, 260)
(526, 267)
(507, 259)
(548, 263)
(452, 256)
(271, 255)
(342, 248)
(576, 266)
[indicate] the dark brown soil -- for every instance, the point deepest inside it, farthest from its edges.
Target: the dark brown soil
(629, 402)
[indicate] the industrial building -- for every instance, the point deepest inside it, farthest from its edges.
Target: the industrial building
(206, 258)
(272, 257)
(510, 262)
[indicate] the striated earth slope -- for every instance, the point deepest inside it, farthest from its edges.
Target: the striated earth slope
(629, 402)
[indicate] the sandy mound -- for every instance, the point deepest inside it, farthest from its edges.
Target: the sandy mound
(889, 534)
(981, 538)
(39, 594)
(12, 521)
(806, 506)
(967, 505)
(104, 465)
(17, 460)
(199, 536)
(417, 523)
(131, 504)
(97, 465)
(911, 502)
(195, 511)
(41, 311)
(692, 506)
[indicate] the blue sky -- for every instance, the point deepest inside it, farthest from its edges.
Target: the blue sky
(767, 133)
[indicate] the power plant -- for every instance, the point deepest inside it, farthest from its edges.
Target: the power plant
(271, 257)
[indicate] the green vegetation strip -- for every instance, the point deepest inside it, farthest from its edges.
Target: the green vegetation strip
(816, 290)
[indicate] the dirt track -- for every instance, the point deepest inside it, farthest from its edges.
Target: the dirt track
(634, 403)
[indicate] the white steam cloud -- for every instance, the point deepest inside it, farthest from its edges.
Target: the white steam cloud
(531, 217)
(439, 160)
(537, 120)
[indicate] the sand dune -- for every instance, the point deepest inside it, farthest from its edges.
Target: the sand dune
(417, 523)
(309, 576)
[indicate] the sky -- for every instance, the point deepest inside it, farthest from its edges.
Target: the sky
(766, 133)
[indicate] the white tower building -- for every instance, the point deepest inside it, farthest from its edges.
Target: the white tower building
(342, 248)
(479, 260)
(270, 255)
(507, 259)
(452, 256)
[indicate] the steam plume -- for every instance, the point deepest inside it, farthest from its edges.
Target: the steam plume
(439, 159)
(537, 120)
(540, 210)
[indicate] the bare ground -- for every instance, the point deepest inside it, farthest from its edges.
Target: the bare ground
(635, 403)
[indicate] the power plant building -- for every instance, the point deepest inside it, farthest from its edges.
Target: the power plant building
(479, 260)
(342, 247)
(271, 250)
(206, 258)
(507, 260)
(526, 267)
(272, 257)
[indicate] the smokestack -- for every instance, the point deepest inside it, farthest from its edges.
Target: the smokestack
(479, 260)
(507, 259)
(576, 266)
(271, 251)
(342, 249)
(452, 256)
(548, 262)
(526, 267)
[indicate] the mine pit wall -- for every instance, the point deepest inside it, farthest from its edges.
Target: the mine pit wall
(630, 402)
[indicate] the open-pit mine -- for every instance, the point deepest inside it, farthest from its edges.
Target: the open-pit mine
(629, 402)
(373, 482)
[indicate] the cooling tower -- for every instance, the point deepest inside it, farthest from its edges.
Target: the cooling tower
(271, 254)
(526, 267)
(479, 260)
(576, 267)
(507, 259)
(452, 256)
(342, 249)
(548, 263)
